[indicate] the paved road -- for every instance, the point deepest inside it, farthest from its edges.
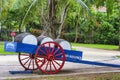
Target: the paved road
(98, 54)
(10, 63)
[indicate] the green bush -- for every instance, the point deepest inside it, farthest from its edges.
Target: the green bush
(71, 37)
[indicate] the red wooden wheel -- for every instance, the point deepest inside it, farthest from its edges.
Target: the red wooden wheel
(27, 61)
(50, 57)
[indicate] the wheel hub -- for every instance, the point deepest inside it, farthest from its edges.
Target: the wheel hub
(50, 63)
(50, 57)
(32, 56)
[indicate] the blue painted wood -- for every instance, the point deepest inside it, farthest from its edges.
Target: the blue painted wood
(10, 46)
(21, 72)
(97, 63)
(71, 55)
(26, 48)
(100, 63)
(19, 47)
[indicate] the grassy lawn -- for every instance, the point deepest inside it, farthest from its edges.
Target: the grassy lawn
(107, 76)
(100, 46)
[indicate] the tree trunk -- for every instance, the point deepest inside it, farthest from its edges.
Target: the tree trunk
(119, 23)
(60, 30)
(19, 27)
(63, 16)
(119, 44)
(53, 23)
(0, 31)
(119, 37)
(50, 28)
(76, 35)
(1, 19)
(23, 20)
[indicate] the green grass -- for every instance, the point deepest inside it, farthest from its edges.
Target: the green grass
(118, 56)
(107, 76)
(100, 46)
(2, 49)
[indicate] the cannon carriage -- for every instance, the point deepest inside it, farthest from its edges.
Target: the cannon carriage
(49, 57)
(46, 55)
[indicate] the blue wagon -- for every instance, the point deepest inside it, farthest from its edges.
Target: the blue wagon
(48, 57)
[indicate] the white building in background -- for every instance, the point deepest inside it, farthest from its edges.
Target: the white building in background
(100, 9)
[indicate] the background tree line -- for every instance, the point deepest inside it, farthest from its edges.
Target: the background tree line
(68, 19)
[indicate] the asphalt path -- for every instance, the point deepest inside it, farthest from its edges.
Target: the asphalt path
(10, 63)
(98, 54)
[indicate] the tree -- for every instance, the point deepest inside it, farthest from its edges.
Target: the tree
(56, 11)
(5, 7)
(53, 14)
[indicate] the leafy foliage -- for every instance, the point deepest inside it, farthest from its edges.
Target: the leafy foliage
(61, 18)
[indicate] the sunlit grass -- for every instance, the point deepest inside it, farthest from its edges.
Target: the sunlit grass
(100, 76)
(100, 46)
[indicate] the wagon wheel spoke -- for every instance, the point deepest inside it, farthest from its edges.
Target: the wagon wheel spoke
(58, 54)
(42, 51)
(54, 65)
(27, 61)
(57, 63)
(61, 59)
(24, 54)
(46, 66)
(38, 60)
(48, 47)
(33, 64)
(56, 51)
(25, 58)
(53, 60)
(50, 67)
(45, 48)
(41, 56)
